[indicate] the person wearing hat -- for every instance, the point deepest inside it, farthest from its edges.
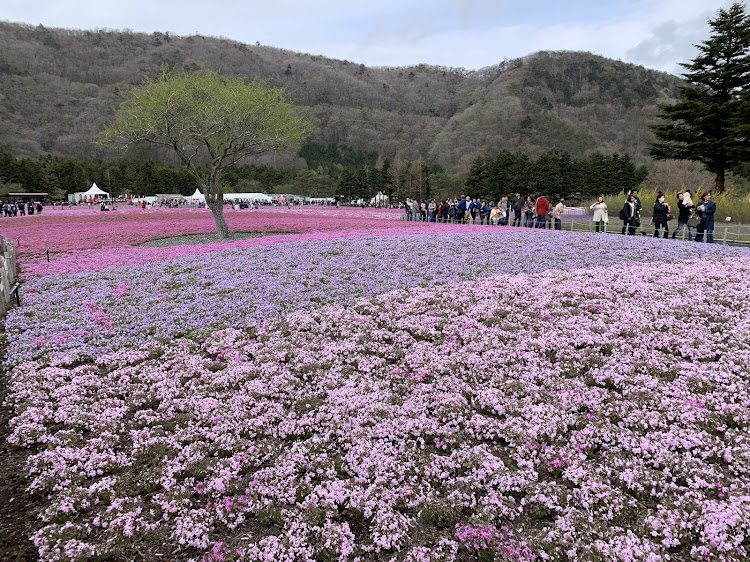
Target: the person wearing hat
(557, 214)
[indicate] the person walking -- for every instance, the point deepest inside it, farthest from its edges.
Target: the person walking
(706, 211)
(660, 217)
(601, 215)
(557, 214)
(542, 208)
(684, 210)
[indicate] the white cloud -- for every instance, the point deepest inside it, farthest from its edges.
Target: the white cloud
(457, 33)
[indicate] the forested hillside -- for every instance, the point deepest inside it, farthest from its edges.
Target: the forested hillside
(58, 88)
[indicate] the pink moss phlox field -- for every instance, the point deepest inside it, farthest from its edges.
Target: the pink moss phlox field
(592, 414)
(82, 239)
(85, 229)
(120, 256)
(196, 294)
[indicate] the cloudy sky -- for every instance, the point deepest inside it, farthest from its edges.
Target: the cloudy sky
(457, 33)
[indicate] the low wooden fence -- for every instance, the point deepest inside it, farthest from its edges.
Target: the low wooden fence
(8, 274)
(724, 233)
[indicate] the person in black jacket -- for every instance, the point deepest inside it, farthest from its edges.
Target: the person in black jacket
(661, 210)
(685, 209)
(517, 207)
(628, 215)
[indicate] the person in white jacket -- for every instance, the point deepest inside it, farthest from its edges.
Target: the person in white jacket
(601, 216)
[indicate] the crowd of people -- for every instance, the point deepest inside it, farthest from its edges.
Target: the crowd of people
(698, 218)
(531, 212)
(537, 212)
(20, 209)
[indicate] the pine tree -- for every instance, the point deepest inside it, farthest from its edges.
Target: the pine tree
(709, 123)
(477, 180)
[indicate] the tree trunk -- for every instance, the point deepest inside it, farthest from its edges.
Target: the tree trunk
(719, 182)
(216, 204)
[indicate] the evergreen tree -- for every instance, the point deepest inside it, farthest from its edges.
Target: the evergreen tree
(709, 123)
(477, 181)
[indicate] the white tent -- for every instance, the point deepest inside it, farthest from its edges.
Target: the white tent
(93, 194)
(197, 197)
(247, 197)
(380, 200)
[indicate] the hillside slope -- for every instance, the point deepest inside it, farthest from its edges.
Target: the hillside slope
(58, 88)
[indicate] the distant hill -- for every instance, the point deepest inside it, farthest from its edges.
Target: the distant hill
(58, 88)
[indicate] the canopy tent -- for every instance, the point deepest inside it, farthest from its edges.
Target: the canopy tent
(94, 191)
(93, 194)
(197, 197)
(380, 200)
(247, 197)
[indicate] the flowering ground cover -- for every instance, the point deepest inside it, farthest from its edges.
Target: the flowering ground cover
(97, 312)
(75, 261)
(83, 228)
(83, 239)
(605, 420)
(431, 393)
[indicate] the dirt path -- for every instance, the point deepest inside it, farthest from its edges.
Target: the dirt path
(17, 514)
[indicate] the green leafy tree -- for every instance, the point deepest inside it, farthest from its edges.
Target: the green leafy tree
(208, 119)
(709, 124)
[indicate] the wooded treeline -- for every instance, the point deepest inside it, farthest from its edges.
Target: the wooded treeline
(337, 171)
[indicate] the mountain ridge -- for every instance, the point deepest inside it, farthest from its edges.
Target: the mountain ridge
(58, 88)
